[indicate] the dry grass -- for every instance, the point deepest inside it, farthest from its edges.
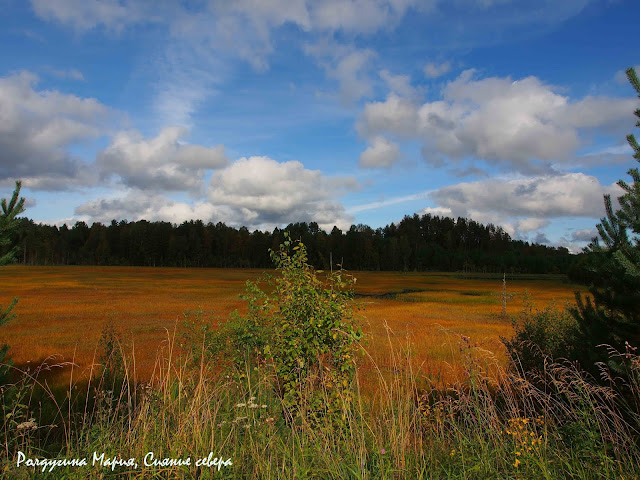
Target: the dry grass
(477, 429)
(62, 310)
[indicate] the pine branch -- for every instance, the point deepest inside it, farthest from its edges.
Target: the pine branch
(8, 222)
(627, 260)
(634, 144)
(15, 207)
(633, 79)
(6, 314)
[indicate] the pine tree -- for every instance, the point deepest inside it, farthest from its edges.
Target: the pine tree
(8, 224)
(613, 317)
(629, 214)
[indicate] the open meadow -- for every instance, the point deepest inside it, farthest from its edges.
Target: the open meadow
(430, 399)
(62, 311)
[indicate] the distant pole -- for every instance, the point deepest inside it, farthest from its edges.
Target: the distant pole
(504, 294)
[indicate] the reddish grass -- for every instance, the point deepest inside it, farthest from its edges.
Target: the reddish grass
(62, 310)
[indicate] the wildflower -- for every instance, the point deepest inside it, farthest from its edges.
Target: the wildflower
(383, 451)
(263, 406)
(453, 452)
(30, 425)
(241, 405)
(516, 463)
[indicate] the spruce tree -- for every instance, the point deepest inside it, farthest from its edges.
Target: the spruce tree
(8, 224)
(629, 214)
(613, 318)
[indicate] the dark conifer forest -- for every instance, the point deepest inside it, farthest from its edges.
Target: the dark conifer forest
(416, 243)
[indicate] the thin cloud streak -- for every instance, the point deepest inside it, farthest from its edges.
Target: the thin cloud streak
(391, 201)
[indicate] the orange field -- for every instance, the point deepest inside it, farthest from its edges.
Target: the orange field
(62, 310)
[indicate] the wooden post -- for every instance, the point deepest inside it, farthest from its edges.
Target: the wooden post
(504, 294)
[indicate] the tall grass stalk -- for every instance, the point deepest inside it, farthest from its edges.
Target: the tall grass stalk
(398, 424)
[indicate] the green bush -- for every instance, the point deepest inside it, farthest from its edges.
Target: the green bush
(302, 327)
(541, 335)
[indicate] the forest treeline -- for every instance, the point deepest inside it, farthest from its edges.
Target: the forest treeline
(421, 243)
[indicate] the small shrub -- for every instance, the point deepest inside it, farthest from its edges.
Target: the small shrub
(539, 335)
(303, 328)
(111, 358)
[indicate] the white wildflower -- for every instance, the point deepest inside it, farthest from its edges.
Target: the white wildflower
(30, 425)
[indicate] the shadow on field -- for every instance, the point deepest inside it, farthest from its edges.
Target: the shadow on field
(51, 371)
(390, 295)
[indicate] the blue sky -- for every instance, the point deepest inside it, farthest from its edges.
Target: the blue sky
(266, 112)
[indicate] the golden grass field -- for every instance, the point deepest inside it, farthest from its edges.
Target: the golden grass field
(63, 310)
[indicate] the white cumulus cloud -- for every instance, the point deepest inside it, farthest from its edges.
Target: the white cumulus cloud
(524, 125)
(255, 192)
(542, 197)
(37, 127)
(138, 205)
(264, 192)
(381, 153)
(160, 163)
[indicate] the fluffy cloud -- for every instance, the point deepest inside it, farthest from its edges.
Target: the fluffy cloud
(531, 224)
(346, 16)
(381, 153)
(349, 66)
(523, 206)
(584, 235)
(436, 211)
(400, 85)
(263, 192)
(137, 205)
(241, 29)
(523, 125)
(88, 14)
(553, 196)
(160, 163)
(434, 70)
(36, 129)
(541, 238)
(359, 16)
(255, 19)
(396, 115)
(256, 192)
